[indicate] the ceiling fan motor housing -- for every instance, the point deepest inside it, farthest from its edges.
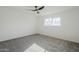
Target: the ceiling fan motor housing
(37, 9)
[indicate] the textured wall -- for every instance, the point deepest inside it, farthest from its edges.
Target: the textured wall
(14, 23)
(69, 29)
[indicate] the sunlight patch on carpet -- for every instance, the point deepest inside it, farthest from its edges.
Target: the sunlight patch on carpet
(35, 48)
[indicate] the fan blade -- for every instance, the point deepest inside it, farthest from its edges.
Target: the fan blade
(34, 10)
(41, 8)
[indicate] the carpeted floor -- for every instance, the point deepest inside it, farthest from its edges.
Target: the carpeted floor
(38, 43)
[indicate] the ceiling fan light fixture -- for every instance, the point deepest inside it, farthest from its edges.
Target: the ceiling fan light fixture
(37, 12)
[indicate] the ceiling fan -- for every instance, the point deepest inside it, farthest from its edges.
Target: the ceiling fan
(37, 9)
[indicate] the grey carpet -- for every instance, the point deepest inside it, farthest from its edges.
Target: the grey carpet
(50, 44)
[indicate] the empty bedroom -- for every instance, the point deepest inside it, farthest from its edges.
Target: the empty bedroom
(39, 29)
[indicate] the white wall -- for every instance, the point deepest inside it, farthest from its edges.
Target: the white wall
(14, 23)
(69, 29)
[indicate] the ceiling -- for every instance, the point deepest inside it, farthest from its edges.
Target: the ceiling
(45, 11)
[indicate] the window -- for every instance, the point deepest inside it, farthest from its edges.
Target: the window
(52, 21)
